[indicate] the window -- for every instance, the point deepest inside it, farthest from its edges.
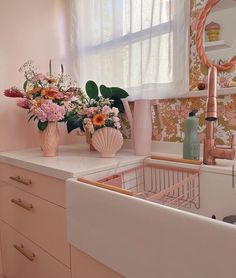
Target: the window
(140, 45)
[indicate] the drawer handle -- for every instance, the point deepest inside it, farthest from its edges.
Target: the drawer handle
(21, 249)
(19, 202)
(21, 180)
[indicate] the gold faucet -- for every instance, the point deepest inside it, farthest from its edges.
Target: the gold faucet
(210, 151)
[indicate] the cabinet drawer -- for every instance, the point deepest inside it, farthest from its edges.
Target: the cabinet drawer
(24, 259)
(41, 221)
(48, 188)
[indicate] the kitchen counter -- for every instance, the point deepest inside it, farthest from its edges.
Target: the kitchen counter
(72, 161)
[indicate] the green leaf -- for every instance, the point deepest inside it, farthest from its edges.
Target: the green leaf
(73, 123)
(31, 117)
(118, 104)
(91, 89)
(118, 92)
(42, 125)
(25, 85)
(105, 91)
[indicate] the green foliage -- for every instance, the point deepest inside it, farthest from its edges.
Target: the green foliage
(105, 91)
(73, 123)
(115, 93)
(91, 89)
(118, 104)
(25, 85)
(31, 117)
(118, 92)
(42, 125)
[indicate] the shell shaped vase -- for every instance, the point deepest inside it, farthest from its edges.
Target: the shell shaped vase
(50, 138)
(107, 141)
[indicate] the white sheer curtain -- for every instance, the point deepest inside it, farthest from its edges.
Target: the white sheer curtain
(139, 45)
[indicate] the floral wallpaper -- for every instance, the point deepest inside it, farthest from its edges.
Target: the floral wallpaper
(168, 122)
(198, 72)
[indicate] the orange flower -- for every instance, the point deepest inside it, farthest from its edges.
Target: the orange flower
(48, 93)
(32, 92)
(98, 120)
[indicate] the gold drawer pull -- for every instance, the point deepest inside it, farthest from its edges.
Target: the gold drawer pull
(19, 202)
(21, 180)
(21, 249)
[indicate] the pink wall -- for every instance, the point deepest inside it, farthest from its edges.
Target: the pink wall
(29, 30)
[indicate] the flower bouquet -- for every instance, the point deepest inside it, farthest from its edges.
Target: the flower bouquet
(98, 116)
(48, 99)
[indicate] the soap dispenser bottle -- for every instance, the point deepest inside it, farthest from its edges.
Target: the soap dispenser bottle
(191, 144)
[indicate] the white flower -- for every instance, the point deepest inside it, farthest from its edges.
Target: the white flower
(116, 119)
(115, 111)
(117, 125)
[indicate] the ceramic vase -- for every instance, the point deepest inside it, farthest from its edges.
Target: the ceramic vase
(107, 141)
(89, 140)
(50, 138)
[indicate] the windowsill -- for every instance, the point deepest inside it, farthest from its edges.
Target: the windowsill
(203, 93)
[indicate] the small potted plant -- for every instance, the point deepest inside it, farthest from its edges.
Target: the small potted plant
(48, 99)
(97, 114)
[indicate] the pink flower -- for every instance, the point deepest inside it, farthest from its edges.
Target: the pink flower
(59, 95)
(106, 110)
(38, 77)
(68, 106)
(91, 111)
(50, 111)
(13, 92)
(23, 103)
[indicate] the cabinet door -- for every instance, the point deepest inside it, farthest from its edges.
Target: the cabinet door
(24, 259)
(84, 266)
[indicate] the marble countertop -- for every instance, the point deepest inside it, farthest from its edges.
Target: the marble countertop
(72, 161)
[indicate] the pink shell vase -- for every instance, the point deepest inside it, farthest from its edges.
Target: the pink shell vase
(107, 141)
(50, 138)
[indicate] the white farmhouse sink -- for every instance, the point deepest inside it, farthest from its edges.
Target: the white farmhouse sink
(138, 238)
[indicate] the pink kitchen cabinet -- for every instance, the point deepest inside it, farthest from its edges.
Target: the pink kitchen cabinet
(24, 259)
(33, 229)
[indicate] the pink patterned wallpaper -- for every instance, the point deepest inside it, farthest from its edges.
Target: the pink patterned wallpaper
(170, 126)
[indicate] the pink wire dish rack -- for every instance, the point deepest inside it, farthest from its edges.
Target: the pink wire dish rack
(172, 186)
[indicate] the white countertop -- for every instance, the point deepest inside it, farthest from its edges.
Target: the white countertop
(76, 160)
(72, 161)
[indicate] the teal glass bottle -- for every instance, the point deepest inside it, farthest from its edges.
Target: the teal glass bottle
(191, 144)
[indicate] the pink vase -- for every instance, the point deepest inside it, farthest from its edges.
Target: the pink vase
(141, 125)
(89, 141)
(50, 138)
(107, 141)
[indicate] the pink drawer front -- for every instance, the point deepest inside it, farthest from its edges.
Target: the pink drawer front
(48, 188)
(41, 221)
(24, 259)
